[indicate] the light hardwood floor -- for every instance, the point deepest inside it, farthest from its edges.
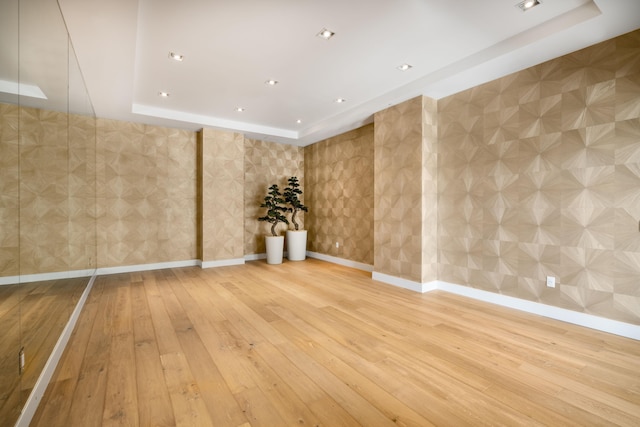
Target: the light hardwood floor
(316, 344)
(32, 316)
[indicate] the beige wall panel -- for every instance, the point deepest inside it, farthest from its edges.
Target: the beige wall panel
(146, 197)
(44, 191)
(9, 190)
(267, 163)
(221, 215)
(398, 197)
(538, 174)
(82, 192)
(339, 187)
(429, 190)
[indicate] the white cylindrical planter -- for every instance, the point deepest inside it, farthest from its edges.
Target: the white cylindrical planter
(275, 246)
(296, 245)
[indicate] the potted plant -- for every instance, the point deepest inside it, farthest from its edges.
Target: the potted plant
(273, 201)
(296, 239)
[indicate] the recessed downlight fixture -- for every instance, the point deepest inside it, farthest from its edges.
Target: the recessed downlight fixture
(163, 94)
(340, 100)
(176, 56)
(239, 109)
(404, 67)
(528, 4)
(271, 82)
(299, 121)
(325, 34)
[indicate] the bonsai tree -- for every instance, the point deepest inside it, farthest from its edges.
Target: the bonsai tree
(291, 194)
(273, 201)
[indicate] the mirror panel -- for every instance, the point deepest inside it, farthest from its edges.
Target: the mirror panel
(10, 292)
(47, 192)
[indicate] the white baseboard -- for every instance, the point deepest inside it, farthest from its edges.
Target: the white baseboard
(28, 278)
(403, 283)
(29, 409)
(220, 263)
(575, 317)
(340, 261)
(146, 267)
(255, 257)
(603, 324)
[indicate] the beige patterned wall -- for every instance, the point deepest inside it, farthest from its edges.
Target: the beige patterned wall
(146, 194)
(47, 208)
(9, 190)
(398, 190)
(220, 195)
(429, 190)
(339, 195)
(539, 174)
(266, 163)
(82, 193)
(44, 191)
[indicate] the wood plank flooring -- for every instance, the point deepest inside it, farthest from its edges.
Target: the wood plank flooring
(316, 344)
(32, 316)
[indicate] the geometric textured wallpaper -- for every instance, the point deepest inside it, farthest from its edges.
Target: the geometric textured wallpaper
(539, 174)
(339, 194)
(44, 191)
(9, 190)
(220, 195)
(47, 191)
(398, 190)
(267, 163)
(429, 190)
(146, 194)
(82, 192)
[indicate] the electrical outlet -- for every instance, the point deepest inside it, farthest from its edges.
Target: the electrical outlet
(337, 245)
(551, 282)
(21, 361)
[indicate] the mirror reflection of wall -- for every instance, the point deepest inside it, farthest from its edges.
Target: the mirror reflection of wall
(47, 192)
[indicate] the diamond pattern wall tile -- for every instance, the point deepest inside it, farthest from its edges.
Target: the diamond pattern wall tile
(221, 195)
(146, 181)
(574, 166)
(9, 190)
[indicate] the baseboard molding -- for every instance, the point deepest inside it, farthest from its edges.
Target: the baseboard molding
(403, 283)
(146, 267)
(41, 277)
(575, 317)
(340, 261)
(40, 387)
(220, 263)
(581, 319)
(255, 257)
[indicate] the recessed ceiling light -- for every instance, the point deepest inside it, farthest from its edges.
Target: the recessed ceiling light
(341, 100)
(271, 82)
(404, 67)
(298, 121)
(176, 56)
(239, 109)
(527, 4)
(163, 94)
(326, 34)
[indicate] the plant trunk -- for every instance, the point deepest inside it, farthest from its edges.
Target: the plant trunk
(293, 219)
(273, 229)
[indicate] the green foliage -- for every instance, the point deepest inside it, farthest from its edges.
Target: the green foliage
(273, 201)
(291, 196)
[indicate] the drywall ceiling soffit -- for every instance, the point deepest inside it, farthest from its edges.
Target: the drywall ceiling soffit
(232, 48)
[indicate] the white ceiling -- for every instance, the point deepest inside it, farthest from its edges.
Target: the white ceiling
(232, 47)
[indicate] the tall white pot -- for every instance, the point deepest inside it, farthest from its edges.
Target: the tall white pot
(275, 246)
(296, 245)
